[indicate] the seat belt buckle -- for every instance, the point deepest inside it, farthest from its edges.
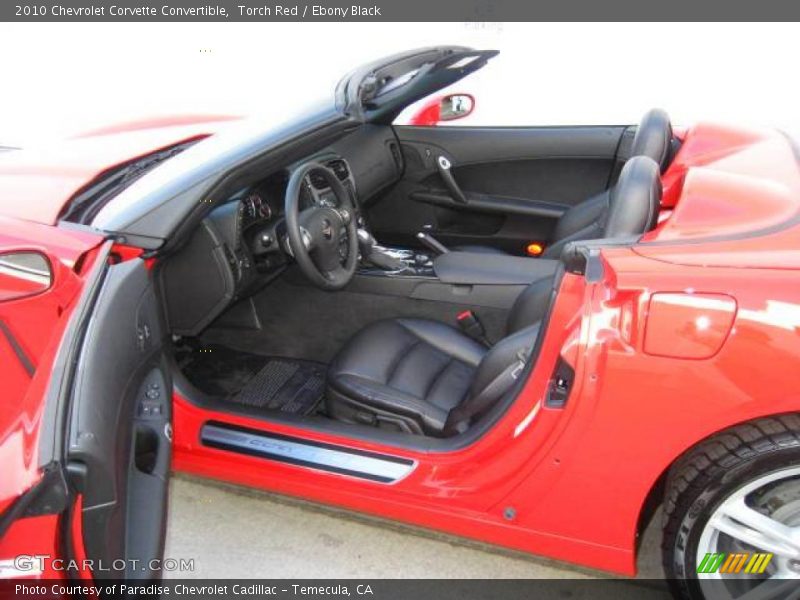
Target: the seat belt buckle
(470, 324)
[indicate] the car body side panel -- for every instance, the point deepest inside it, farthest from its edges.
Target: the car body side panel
(637, 413)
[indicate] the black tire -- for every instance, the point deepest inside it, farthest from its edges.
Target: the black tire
(702, 479)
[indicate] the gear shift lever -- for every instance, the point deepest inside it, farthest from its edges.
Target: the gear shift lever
(365, 239)
(371, 253)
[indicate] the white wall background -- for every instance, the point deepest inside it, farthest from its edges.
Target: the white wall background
(59, 79)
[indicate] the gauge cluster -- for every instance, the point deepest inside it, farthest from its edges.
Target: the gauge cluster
(255, 208)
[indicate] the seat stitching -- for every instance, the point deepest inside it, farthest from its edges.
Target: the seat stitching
(430, 387)
(407, 351)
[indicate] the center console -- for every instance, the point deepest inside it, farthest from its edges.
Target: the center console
(378, 260)
(464, 278)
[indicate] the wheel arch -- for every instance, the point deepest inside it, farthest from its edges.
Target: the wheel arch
(655, 495)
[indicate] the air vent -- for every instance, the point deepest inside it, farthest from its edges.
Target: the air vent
(318, 181)
(340, 168)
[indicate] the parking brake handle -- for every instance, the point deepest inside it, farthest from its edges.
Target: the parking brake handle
(443, 164)
(432, 243)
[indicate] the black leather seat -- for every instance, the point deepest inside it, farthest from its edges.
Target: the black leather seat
(425, 377)
(584, 221)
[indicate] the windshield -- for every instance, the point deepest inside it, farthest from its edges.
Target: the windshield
(87, 203)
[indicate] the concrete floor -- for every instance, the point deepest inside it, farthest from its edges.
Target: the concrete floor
(235, 533)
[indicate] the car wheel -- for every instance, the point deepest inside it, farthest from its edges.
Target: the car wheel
(732, 515)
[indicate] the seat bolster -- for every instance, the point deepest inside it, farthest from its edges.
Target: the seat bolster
(635, 199)
(654, 137)
(493, 380)
(380, 398)
(503, 354)
(531, 305)
(581, 219)
(446, 339)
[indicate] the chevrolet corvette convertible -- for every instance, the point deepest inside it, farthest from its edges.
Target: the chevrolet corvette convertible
(532, 337)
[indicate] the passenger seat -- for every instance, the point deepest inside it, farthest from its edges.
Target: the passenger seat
(585, 221)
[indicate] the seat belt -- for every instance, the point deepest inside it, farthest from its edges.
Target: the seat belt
(459, 419)
(470, 324)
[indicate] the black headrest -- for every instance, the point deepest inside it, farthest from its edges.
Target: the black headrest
(635, 199)
(653, 137)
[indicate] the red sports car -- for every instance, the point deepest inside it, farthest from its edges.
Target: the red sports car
(531, 337)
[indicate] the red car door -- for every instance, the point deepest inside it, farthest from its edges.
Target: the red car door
(40, 280)
(35, 289)
(87, 397)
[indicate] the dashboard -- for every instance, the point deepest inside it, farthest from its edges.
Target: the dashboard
(242, 244)
(255, 230)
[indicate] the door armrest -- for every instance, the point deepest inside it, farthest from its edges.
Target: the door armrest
(507, 205)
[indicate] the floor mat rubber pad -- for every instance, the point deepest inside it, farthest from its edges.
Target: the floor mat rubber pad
(275, 383)
(286, 385)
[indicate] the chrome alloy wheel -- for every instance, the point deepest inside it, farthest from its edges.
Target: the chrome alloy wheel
(762, 516)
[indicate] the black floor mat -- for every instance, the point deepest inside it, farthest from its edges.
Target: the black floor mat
(284, 384)
(288, 385)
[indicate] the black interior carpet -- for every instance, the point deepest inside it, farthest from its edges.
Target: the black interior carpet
(300, 321)
(272, 383)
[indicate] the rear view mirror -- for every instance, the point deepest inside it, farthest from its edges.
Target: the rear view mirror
(456, 106)
(23, 274)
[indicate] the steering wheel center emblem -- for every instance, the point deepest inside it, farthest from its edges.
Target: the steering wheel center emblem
(327, 229)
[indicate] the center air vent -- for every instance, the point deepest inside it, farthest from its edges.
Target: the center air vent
(338, 166)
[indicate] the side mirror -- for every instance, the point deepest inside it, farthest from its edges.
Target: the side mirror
(456, 106)
(442, 108)
(24, 273)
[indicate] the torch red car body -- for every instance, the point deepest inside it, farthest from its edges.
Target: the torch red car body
(674, 338)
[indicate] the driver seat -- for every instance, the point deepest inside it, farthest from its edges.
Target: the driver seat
(425, 377)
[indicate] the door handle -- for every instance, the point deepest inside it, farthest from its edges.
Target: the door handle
(443, 164)
(151, 453)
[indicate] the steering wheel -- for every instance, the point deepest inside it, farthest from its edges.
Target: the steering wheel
(322, 238)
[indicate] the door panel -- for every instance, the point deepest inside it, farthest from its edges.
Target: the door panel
(120, 428)
(517, 182)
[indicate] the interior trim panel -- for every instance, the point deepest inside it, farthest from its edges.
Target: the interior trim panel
(467, 145)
